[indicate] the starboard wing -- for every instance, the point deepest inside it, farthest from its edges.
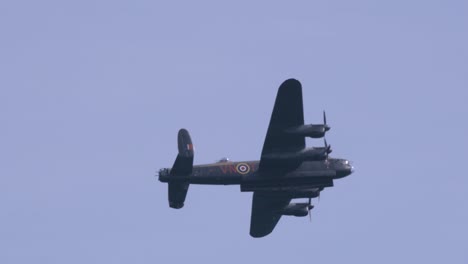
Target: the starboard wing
(287, 113)
(266, 212)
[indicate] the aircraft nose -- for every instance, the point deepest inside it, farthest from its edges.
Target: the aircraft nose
(350, 167)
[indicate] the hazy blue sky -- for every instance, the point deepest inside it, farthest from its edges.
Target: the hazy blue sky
(92, 94)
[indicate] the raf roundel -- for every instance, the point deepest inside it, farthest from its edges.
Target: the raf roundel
(243, 168)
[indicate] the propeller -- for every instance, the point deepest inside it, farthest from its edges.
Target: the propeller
(328, 150)
(325, 121)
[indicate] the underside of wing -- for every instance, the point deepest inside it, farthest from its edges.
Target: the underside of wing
(287, 113)
(266, 213)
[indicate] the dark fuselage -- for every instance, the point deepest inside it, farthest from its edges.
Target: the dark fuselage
(247, 174)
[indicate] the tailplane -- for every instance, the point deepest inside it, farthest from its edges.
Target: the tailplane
(182, 167)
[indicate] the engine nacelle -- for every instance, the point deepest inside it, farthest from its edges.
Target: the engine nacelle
(311, 154)
(312, 131)
(297, 209)
(308, 193)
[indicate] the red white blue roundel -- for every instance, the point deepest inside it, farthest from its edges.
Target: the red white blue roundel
(243, 168)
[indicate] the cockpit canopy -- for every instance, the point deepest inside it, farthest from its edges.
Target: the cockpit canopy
(223, 160)
(343, 161)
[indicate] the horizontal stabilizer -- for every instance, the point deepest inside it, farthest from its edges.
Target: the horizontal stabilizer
(182, 167)
(177, 193)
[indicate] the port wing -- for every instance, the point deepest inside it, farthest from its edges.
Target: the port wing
(266, 212)
(287, 113)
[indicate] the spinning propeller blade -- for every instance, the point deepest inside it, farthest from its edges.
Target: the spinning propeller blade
(324, 118)
(326, 127)
(328, 149)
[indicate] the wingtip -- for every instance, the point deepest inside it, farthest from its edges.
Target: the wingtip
(260, 232)
(290, 85)
(291, 81)
(255, 235)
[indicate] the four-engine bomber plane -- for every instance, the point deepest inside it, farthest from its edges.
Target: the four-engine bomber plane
(287, 169)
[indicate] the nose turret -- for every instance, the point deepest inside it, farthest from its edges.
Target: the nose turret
(349, 168)
(344, 168)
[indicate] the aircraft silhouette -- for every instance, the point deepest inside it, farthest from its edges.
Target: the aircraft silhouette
(287, 169)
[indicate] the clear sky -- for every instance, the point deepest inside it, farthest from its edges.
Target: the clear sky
(92, 94)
